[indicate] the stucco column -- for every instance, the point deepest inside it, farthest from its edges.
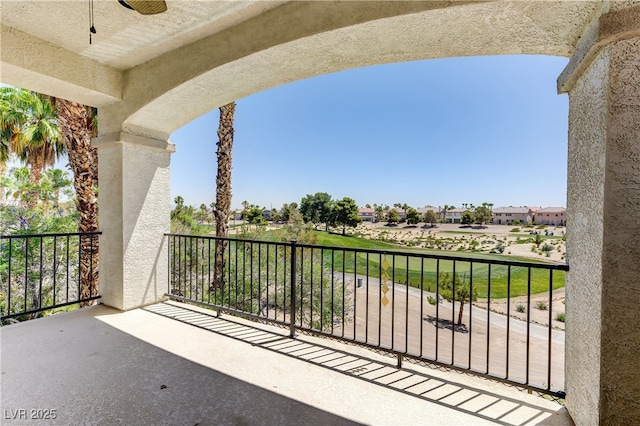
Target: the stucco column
(134, 203)
(603, 221)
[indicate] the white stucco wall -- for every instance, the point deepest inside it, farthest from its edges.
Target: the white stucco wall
(136, 188)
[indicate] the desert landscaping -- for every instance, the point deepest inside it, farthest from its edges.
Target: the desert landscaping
(488, 239)
(510, 240)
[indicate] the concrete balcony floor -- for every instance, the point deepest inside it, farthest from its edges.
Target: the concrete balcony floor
(176, 364)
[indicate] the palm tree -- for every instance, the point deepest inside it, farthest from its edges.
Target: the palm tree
(223, 188)
(53, 180)
(29, 123)
(78, 125)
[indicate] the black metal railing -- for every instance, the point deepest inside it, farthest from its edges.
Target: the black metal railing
(411, 304)
(42, 272)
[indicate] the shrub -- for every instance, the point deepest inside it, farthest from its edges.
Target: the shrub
(431, 300)
(515, 230)
(521, 308)
(560, 317)
(541, 227)
(542, 305)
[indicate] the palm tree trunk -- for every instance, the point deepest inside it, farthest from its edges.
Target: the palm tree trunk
(74, 121)
(35, 174)
(223, 188)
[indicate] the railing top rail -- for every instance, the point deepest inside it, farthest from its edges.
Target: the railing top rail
(515, 263)
(63, 234)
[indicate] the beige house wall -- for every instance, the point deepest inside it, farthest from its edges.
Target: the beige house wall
(603, 234)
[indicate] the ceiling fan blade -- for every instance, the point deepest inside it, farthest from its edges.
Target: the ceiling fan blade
(147, 7)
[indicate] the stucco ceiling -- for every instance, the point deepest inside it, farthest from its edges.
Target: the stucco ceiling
(124, 37)
(158, 72)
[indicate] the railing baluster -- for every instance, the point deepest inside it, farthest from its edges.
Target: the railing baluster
(380, 283)
(311, 290)
(355, 293)
(79, 267)
(40, 277)
(292, 320)
(393, 300)
(453, 314)
(26, 271)
(67, 273)
(508, 318)
(421, 305)
(437, 303)
(406, 309)
(8, 308)
(488, 313)
(528, 323)
(550, 340)
(344, 282)
(301, 292)
(267, 291)
(470, 307)
(333, 289)
(366, 312)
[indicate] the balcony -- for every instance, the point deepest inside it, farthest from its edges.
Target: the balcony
(177, 363)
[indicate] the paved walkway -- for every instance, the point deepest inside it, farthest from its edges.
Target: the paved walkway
(175, 364)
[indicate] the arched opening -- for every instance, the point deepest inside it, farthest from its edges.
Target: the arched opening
(436, 131)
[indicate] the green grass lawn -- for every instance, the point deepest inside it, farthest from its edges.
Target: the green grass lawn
(423, 272)
(463, 232)
(544, 237)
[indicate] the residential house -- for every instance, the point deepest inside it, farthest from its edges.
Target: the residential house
(367, 214)
(551, 216)
(454, 215)
(509, 215)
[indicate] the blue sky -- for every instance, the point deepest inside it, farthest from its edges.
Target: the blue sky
(435, 132)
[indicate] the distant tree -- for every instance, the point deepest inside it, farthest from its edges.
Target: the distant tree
(54, 181)
(253, 215)
(482, 215)
(202, 215)
(368, 206)
(404, 207)
(413, 217)
(183, 218)
(446, 209)
(275, 215)
(378, 213)
(462, 293)
(296, 229)
(287, 210)
(345, 213)
(466, 218)
(443, 213)
(393, 216)
(537, 240)
(316, 208)
(430, 217)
